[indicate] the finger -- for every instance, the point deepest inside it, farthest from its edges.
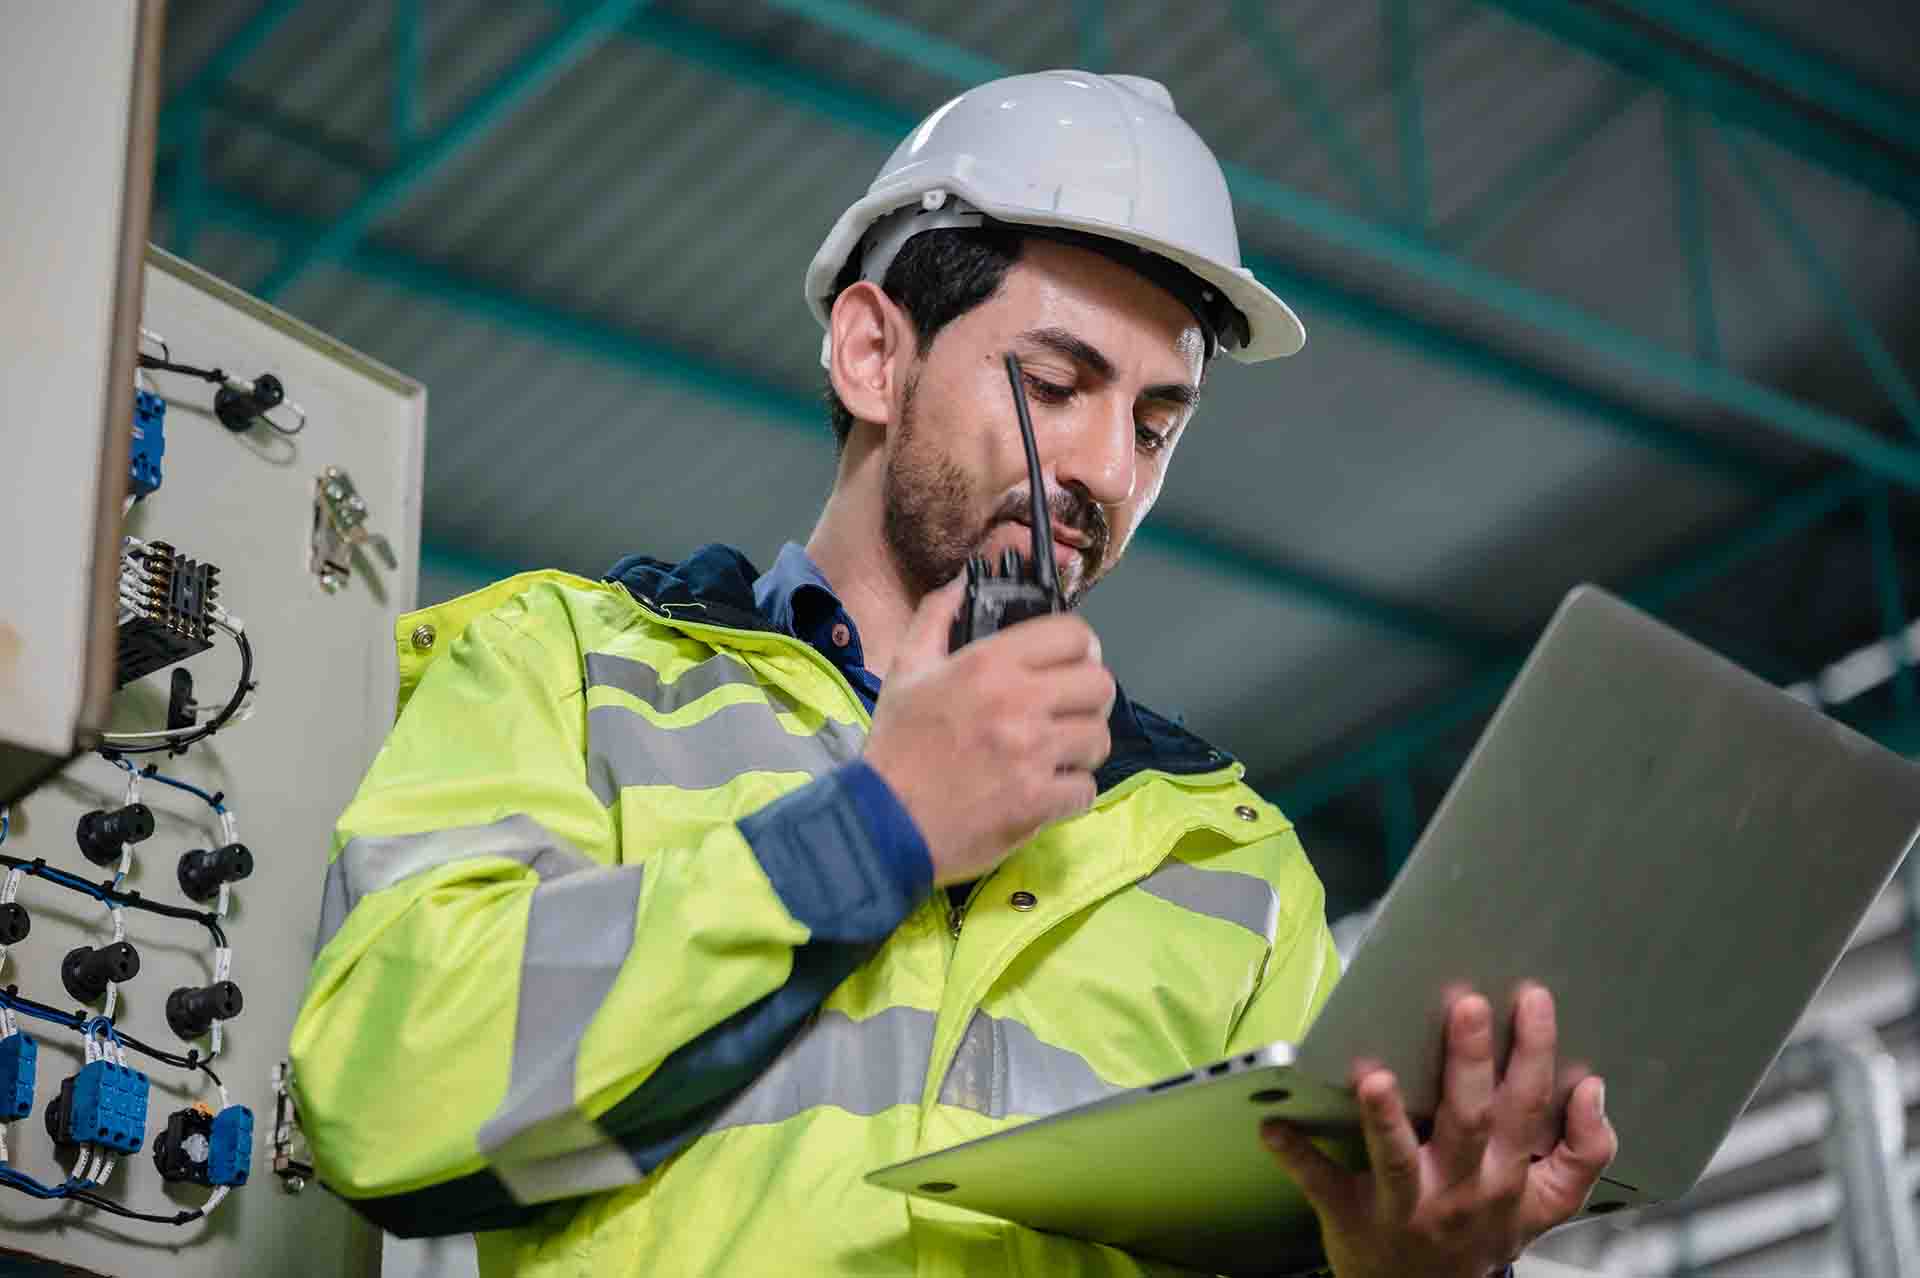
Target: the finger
(1523, 1112)
(1558, 1184)
(1046, 642)
(1065, 794)
(1465, 1120)
(1080, 745)
(927, 632)
(1326, 1184)
(1082, 689)
(1393, 1151)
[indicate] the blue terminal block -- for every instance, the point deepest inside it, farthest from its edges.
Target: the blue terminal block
(230, 1147)
(149, 443)
(109, 1107)
(18, 1054)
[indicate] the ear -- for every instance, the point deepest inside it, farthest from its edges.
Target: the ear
(872, 343)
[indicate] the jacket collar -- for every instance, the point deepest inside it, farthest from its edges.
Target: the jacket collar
(715, 583)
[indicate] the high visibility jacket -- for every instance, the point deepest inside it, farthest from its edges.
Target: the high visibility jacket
(559, 998)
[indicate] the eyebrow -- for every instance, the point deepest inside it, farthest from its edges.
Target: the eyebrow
(1076, 348)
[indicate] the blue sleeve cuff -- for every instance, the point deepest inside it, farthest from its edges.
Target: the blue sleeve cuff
(844, 855)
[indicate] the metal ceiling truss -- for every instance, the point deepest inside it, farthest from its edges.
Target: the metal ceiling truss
(1400, 240)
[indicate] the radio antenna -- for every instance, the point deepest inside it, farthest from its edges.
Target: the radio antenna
(1039, 513)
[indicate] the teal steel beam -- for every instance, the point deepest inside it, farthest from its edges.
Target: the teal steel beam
(1880, 362)
(1404, 54)
(777, 406)
(1397, 746)
(763, 72)
(1403, 250)
(178, 117)
(1690, 227)
(1893, 604)
(1807, 423)
(1579, 405)
(485, 111)
(1490, 211)
(1808, 76)
(406, 74)
(1723, 94)
(1311, 102)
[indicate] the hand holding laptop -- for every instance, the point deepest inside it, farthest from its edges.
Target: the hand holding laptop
(1484, 1186)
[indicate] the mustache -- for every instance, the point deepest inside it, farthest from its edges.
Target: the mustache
(1067, 507)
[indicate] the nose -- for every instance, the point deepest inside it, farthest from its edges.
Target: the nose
(1096, 450)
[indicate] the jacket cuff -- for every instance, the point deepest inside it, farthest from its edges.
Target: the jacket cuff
(844, 855)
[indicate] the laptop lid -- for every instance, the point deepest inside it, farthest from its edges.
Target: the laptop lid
(1677, 849)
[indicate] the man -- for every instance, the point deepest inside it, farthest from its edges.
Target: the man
(641, 947)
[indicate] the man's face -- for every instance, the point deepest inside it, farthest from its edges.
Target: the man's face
(1112, 366)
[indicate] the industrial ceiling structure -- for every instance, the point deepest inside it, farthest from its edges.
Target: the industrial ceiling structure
(1609, 290)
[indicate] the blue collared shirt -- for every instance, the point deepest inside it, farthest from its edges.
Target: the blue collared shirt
(796, 597)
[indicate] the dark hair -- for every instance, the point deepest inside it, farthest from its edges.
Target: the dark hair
(937, 277)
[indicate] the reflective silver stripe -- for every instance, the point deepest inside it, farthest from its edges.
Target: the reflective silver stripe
(624, 748)
(1222, 894)
(1003, 1068)
(638, 679)
(579, 932)
(862, 1067)
(598, 1166)
(367, 865)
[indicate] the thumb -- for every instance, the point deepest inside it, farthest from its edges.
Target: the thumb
(927, 633)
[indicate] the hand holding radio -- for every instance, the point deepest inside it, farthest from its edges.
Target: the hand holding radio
(987, 733)
(986, 745)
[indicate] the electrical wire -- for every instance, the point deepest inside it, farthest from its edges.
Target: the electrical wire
(220, 377)
(13, 1000)
(15, 1179)
(166, 365)
(177, 740)
(108, 895)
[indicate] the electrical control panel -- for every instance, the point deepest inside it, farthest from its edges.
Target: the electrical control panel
(160, 897)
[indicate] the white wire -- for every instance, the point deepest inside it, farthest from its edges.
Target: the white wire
(218, 1196)
(119, 934)
(222, 965)
(7, 893)
(105, 1171)
(8, 1026)
(81, 1166)
(220, 908)
(3, 1143)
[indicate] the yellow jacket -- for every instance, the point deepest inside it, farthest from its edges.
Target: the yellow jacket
(563, 998)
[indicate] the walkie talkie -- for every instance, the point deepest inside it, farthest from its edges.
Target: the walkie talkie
(1018, 590)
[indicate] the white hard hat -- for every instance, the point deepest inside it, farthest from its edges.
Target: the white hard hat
(1101, 160)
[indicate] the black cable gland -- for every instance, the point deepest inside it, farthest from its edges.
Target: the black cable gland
(86, 970)
(202, 872)
(15, 923)
(191, 1012)
(100, 832)
(238, 410)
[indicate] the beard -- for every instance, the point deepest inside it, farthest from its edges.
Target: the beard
(928, 521)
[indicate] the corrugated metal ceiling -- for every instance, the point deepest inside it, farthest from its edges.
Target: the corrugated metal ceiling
(669, 188)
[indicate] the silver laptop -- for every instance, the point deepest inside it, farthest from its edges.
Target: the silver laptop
(1677, 849)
